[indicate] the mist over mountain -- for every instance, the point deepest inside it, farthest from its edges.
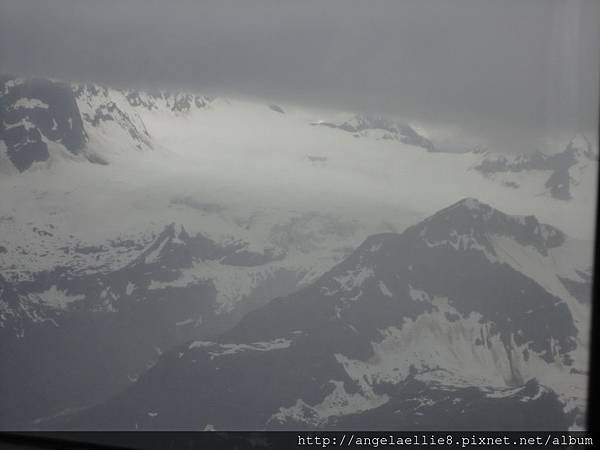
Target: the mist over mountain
(165, 254)
(510, 74)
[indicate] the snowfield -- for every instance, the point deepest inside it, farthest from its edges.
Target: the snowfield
(242, 157)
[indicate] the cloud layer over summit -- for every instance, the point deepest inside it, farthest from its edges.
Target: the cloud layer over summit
(510, 72)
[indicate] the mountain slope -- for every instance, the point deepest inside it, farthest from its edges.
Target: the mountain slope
(215, 140)
(565, 169)
(432, 316)
(380, 128)
(37, 114)
(156, 293)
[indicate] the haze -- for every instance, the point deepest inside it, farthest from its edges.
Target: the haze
(515, 75)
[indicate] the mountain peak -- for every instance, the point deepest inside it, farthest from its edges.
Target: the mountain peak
(467, 208)
(472, 219)
(471, 204)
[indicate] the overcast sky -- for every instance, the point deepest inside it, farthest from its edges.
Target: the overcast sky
(509, 71)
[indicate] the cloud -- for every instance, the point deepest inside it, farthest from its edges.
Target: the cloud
(511, 72)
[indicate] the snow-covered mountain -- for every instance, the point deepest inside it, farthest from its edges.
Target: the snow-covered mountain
(380, 128)
(118, 115)
(244, 146)
(134, 298)
(461, 319)
(38, 118)
(42, 120)
(133, 221)
(564, 170)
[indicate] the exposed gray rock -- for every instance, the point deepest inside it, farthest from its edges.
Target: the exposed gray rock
(579, 150)
(36, 109)
(109, 333)
(403, 133)
(293, 344)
